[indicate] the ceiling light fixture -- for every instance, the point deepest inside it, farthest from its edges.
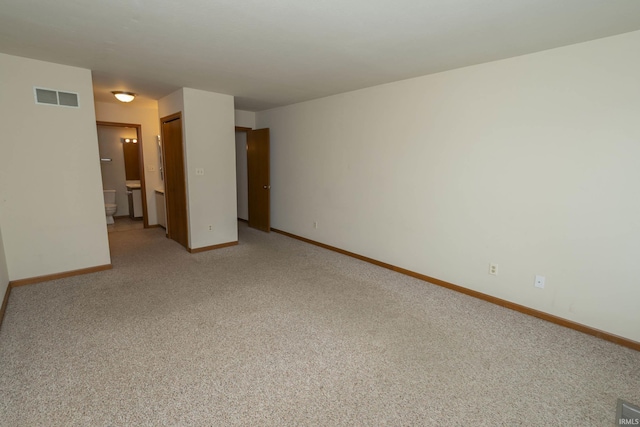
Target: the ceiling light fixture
(124, 96)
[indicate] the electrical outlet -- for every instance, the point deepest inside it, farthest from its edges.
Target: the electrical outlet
(539, 282)
(211, 228)
(315, 224)
(493, 269)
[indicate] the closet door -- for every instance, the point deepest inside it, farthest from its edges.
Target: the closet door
(174, 179)
(259, 179)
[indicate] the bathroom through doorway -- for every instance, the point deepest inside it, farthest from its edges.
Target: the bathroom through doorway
(121, 165)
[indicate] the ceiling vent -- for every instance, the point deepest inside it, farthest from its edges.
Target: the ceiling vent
(54, 97)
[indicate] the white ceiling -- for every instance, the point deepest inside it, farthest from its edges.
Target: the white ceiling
(269, 53)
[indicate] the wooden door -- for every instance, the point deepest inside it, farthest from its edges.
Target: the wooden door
(259, 179)
(174, 179)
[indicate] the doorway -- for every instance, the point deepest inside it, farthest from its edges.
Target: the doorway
(253, 177)
(174, 179)
(121, 160)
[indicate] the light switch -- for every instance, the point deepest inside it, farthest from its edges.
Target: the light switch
(200, 171)
(151, 168)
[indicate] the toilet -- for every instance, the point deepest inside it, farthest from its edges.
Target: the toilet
(110, 206)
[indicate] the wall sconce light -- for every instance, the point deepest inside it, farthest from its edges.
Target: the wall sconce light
(123, 96)
(129, 140)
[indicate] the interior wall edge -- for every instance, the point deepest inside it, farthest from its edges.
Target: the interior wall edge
(5, 301)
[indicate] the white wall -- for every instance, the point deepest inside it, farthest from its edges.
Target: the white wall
(113, 172)
(210, 145)
(529, 162)
(150, 122)
(208, 136)
(51, 205)
(245, 119)
(4, 272)
(171, 104)
(242, 184)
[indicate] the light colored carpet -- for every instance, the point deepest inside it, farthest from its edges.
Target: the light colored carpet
(278, 332)
(125, 224)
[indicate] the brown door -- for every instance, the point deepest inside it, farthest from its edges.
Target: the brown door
(174, 182)
(258, 179)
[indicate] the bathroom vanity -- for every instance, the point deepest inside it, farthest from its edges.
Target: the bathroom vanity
(134, 194)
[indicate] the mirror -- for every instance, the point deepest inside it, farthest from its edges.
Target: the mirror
(131, 161)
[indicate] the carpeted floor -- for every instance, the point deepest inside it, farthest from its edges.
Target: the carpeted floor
(125, 224)
(277, 332)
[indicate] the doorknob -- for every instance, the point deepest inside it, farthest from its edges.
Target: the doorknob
(266, 187)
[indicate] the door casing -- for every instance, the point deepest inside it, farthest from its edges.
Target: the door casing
(174, 179)
(138, 128)
(258, 177)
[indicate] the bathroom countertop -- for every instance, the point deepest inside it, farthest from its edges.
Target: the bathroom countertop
(160, 190)
(133, 186)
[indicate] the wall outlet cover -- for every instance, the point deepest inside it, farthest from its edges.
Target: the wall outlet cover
(493, 269)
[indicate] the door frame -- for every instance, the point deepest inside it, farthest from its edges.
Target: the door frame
(143, 186)
(167, 195)
(246, 130)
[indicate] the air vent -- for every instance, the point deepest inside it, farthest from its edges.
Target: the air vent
(45, 96)
(68, 99)
(54, 97)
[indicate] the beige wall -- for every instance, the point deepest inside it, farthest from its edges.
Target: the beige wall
(150, 122)
(529, 162)
(208, 133)
(245, 119)
(51, 205)
(242, 181)
(210, 145)
(171, 104)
